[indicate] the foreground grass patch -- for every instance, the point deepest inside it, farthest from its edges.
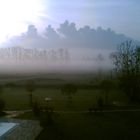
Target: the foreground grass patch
(17, 98)
(106, 126)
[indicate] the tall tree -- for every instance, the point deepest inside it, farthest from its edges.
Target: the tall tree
(127, 64)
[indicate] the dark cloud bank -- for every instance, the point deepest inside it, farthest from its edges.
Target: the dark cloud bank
(66, 48)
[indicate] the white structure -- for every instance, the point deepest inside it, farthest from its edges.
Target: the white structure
(19, 130)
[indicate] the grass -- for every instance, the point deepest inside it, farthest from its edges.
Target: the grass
(83, 126)
(106, 126)
(17, 98)
(77, 126)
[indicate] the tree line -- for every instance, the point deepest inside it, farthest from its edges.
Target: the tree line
(34, 54)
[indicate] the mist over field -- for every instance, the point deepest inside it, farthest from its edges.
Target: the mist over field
(62, 60)
(69, 70)
(66, 49)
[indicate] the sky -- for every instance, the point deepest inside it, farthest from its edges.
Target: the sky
(121, 16)
(24, 19)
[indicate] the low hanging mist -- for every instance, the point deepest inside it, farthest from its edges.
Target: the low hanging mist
(18, 59)
(66, 49)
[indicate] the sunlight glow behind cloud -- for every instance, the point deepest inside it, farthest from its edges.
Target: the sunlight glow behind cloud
(16, 14)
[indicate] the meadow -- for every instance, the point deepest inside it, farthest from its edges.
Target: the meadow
(71, 119)
(105, 126)
(17, 98)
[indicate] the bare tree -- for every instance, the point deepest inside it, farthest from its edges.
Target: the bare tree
(127, 65)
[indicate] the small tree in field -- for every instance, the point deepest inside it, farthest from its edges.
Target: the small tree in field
(106, 86)
(2, 106)
(30, 87)
(127, 65)
(69, 90)
(36, 109)
(2, 102)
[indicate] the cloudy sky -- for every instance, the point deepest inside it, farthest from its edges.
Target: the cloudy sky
(120, 15)
(24, 19)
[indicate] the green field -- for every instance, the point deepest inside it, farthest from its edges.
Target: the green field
(107, 126)
(71, 118)
(17, 98)
(97, 126)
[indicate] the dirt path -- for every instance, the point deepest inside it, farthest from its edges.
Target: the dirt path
(16, 113)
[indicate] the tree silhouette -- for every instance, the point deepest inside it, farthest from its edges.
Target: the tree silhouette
(36, 108)
(106, 86)
(69, 90)
(30, 87)
(2, 102)
(127, 64)
(100, 104)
